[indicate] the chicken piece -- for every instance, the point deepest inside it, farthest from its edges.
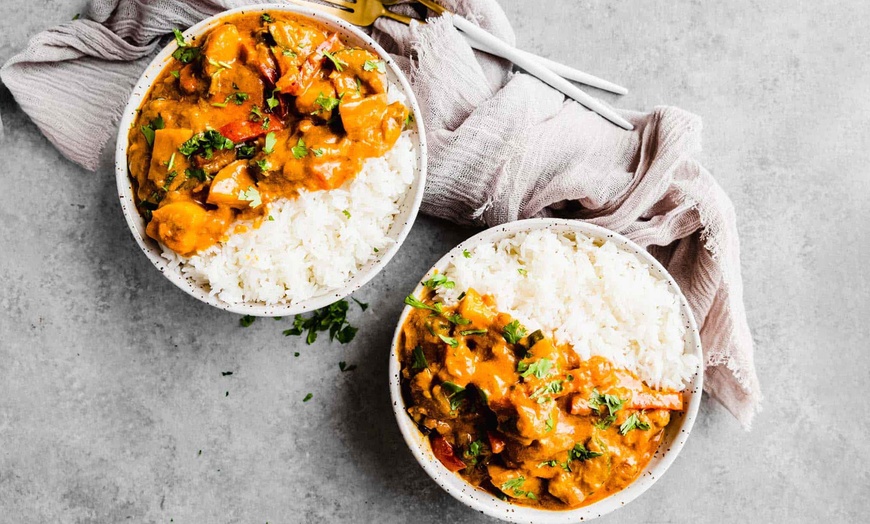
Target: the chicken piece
(228, 183)
(165, 153)
(179, 225)
(565, 488)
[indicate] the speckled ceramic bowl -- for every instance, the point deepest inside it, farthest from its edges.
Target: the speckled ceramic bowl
(673, 440)
(401, 225)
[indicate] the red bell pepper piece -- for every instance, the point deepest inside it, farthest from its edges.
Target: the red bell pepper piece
(444, 452)
(245, 130)
(496, 443)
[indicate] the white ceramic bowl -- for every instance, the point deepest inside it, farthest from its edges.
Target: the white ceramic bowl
(674, 437)
(398, 231)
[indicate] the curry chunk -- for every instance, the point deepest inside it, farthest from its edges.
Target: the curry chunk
(183, 226)
(229, 183)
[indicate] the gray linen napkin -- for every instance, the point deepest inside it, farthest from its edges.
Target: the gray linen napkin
(503, 146)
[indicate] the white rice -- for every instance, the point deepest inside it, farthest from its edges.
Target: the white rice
(311, 246)
(600, 299)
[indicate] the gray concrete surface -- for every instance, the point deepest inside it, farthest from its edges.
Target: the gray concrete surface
(110, 377)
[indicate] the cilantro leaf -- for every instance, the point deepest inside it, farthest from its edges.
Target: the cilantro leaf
(439, 279)
(308, 397)
(419, 359)
(252, 196)
(514, 331)
(455, 394)
(328, 103)
(338, 63)
(375, 65)
(344, 367)
(633, 422)
(473, 332)
(332, 318)
(247, 320)
(269, 146)
(413, 301)
(299, 150)
(466, 253)
(452, 342)
(580, 453)
(539, 368)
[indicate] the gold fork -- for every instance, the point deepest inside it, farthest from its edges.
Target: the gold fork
(362, 12)
(365, 12)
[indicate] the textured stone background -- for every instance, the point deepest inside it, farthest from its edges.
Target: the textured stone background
(110, 377)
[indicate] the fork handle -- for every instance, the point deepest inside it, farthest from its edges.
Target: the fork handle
(531, 64)
(560, 69)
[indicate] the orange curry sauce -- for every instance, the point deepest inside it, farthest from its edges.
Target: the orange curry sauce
(258, 108)
(521, 417)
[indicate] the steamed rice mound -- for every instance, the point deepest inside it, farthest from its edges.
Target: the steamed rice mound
(312, 244)
(600, 299)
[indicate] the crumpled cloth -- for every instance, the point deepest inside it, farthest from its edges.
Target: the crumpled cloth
(503, 146)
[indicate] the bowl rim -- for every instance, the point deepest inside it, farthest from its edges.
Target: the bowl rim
(483, 501)
(142, 88)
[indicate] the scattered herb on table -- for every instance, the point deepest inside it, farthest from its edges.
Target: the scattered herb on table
(226, 373)
(308, 397)
(247, 320)
(344, 367)
(332, 318)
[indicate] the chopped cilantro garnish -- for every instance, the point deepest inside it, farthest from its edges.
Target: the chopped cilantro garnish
(419, 359)
(272, 102)
(455, 394)
(344, 367)
(197, 173)
(346, 213)
(514, 331)
(308, 397)
(413, 301)
(299, 150)
(269, 146)
(580, 453)
(473, 332)
(539, 368)
(266, 18)
(226, 373)
(458, 319)
(515, 486)
(246, 151)
(452, 342)
(247, 320)
(176, 74)
(264, 165)
(238, 98)
(205, 144)
(375, 65)
(439, 279)
(252, 196)
(332, 318)
(549, 424)
(328, 103)
(288, 52)
(317, 151)
(185, 52)
(466, 253)
(522, 271)
(153, 126)
(337, 62)
(633, 422)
